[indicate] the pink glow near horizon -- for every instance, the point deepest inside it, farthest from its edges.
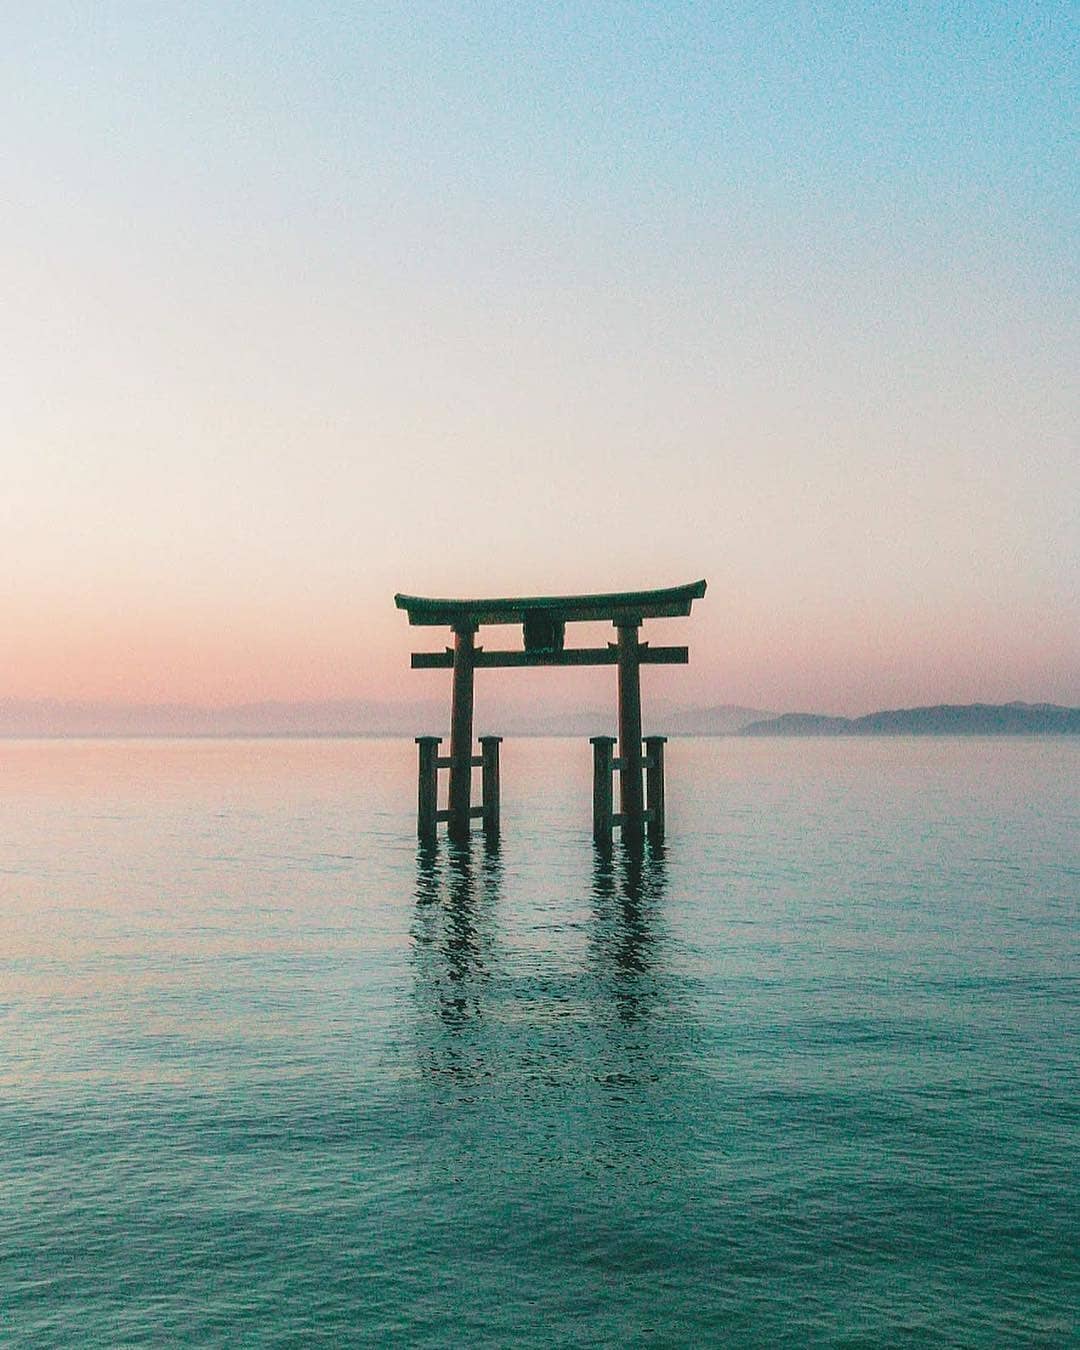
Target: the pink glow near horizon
(782, 662)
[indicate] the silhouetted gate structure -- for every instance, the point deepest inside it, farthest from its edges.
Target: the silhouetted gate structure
(543, 620)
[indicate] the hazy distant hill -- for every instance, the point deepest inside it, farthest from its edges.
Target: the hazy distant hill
(346, 717)
(723, 720)
(973, 719)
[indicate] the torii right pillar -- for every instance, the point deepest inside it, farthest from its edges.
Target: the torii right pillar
(631, 794)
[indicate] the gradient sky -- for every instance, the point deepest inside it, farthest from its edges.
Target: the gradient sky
(306, 303)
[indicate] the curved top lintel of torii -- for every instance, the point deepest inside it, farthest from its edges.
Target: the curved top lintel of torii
(616, 606)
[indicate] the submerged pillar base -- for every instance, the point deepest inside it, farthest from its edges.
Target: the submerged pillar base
(650, 820)
(428, 814)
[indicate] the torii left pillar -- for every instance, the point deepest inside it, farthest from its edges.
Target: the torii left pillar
(461, 733)
(631, 795)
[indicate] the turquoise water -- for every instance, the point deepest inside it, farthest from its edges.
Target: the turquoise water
(268, 1076)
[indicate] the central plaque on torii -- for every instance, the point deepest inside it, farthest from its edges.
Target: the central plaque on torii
(543, 621)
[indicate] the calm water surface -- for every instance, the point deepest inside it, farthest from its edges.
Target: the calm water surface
(268, 1076)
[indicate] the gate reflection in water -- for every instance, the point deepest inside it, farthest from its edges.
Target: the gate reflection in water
(574, 1009)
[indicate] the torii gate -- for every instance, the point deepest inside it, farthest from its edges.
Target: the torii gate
(544, 620)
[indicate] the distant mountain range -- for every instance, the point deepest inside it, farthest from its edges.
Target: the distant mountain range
(723, 720)
(972, 719)
(355, 717)
(343, 717)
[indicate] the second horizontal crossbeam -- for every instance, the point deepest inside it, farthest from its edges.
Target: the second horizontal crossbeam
(574, 656)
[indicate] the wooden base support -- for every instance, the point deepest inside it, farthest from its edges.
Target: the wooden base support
(649, 819)
(428, 814)
(603, 810)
